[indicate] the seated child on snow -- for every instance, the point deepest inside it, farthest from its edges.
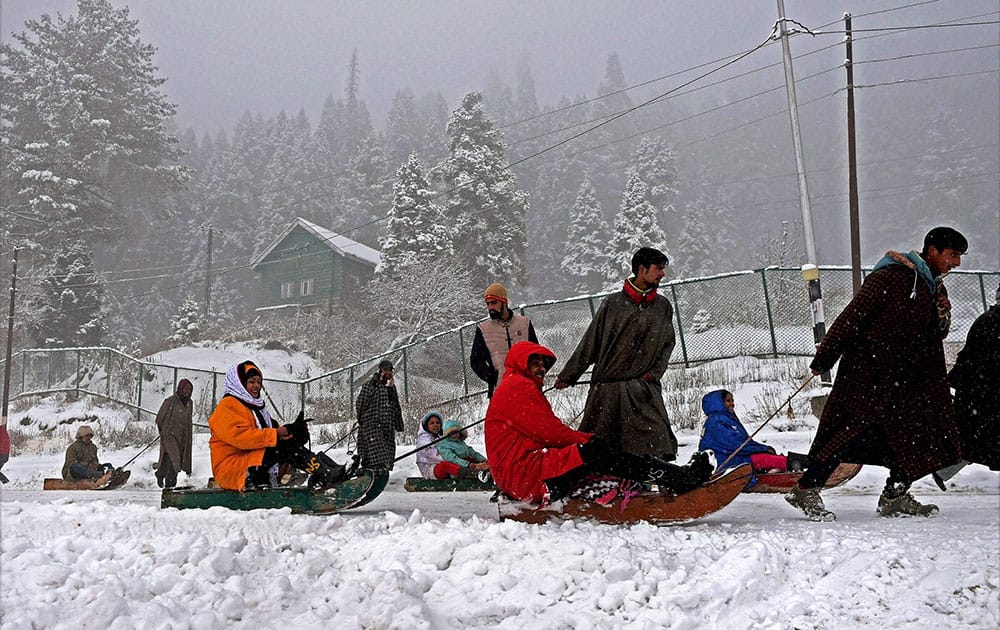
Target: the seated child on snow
(724, 433)
(428, 459)
(454, 450)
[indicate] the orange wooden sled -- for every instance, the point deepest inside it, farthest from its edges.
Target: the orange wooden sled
(783, 481)
(651, 507)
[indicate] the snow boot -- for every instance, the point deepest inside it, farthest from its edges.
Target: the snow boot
(811, 504)
(904, 505)
(679, 479)
(323, 471)
(797, 462)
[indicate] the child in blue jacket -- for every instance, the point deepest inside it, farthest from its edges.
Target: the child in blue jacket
(723, 433)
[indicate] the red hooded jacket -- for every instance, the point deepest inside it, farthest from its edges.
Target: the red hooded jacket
(525, 442)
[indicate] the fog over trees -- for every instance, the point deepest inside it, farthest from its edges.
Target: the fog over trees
(480, 171)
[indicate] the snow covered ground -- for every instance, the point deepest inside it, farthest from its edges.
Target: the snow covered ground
(421, 560)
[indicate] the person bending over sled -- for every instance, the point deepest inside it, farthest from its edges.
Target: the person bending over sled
(534, 457)
(724, 434)
(248, 447)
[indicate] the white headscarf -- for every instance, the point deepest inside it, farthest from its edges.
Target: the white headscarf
(235, 388)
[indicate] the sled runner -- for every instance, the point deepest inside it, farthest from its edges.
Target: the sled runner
(783, 481)
(345, 495)
(470, 484)
(118, 479)
(650, 506)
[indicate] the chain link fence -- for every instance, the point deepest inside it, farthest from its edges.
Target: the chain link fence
(757, 313)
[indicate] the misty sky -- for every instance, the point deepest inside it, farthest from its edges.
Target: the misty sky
(222, 56)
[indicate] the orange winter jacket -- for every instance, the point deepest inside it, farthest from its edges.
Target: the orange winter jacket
(236, 443)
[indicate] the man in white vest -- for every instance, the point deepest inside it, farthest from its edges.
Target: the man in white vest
(496, 335)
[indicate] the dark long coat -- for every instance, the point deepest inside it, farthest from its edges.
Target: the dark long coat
(976, 379)
(173, 420)
(379, 415)
(625, 342)
(891, 387)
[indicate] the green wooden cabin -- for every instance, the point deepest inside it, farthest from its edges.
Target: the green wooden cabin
(308, 266)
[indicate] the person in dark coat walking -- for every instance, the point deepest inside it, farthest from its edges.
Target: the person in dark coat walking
(379, 415)
(629, 343)
(496, 335)
(174, 422)
(976, 379)
(890, 405)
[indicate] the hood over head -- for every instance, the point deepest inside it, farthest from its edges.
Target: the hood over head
(712, 403)
(520, 352)
(427, 416)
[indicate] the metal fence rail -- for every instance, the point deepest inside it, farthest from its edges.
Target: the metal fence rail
(762, 313)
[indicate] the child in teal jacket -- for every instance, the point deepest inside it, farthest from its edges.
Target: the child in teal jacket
(455, 450)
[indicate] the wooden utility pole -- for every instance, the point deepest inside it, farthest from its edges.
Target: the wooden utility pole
(10, 341)
(208, 274)
(852, 163)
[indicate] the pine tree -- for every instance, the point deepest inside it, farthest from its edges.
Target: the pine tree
(416, 234)
(586, 241)
(186, 323)
(636, 225)
(68, 303)
(84, 130)
(403, 132)
(484, 204)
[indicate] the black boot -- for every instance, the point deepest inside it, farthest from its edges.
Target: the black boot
(323, 471)
(797, 462)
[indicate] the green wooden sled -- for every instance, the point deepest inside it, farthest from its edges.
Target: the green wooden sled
(345, 495)
(419, 484)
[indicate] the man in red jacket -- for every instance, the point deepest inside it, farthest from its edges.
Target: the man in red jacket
(535, 457)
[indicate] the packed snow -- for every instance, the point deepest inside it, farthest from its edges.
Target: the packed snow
(115, 559)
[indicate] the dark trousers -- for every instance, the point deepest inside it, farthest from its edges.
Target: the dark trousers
(167, 473)
(819, 471)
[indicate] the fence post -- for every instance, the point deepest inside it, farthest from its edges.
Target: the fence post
(138, 404)
(108, 373)
(48, 372)
(461, 359)
(215, 386)
(770, 317)
(982, 291)
(590, 303)
(78, 375)
(350, 380)
(406, 380)
(680, 326)
(302, 396)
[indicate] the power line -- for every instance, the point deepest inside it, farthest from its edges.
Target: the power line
(926, 79)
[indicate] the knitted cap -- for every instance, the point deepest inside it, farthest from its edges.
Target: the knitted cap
(84, 430)
(496, 291)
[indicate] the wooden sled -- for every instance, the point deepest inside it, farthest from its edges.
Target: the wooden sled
(471, 484)
(783, 481)
(651, 507)
(117, 480)
(345, 495)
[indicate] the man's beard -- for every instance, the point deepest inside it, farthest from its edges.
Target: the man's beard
(496, 314)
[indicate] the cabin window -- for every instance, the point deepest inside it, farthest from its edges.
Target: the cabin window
(287, 290)
(306, 287)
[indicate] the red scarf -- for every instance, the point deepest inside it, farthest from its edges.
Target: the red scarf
(637, 295)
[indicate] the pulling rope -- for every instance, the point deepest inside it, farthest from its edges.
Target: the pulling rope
(155, 440)
(444, 437)
(722, 466)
